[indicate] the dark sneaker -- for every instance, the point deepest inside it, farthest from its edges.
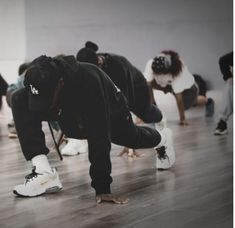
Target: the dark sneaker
(210, 107)
(221, 128)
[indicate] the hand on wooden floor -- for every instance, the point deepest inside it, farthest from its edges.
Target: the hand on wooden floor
(129, 152)
(183, 123)
(111, 198)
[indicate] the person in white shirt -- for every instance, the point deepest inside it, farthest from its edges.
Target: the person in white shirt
(167, 72)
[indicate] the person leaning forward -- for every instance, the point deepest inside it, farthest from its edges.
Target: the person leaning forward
(86, 104)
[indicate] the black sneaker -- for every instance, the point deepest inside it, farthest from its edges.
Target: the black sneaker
(221, 128)
(210, 107)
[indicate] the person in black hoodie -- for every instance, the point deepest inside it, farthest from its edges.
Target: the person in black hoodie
(86, 104)
(129, 80)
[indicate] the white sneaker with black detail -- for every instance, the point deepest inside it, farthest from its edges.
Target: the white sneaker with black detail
(75, 147)
(162, 124)
(165, 157)
(39, 183)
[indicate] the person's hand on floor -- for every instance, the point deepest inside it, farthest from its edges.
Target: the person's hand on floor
(111, 198)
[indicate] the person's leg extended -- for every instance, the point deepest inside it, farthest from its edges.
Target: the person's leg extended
(226, 109)
(43, 179)
(227, 104)
(151, 114)
(125, 132)
(144, 106)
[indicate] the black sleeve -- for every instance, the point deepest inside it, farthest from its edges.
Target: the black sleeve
(120, 75)
(96, 119)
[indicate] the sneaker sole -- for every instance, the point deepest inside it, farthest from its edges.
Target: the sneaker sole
(161, 169)
(47, 191)
(68, 154)
(12, 136)
(221, 133)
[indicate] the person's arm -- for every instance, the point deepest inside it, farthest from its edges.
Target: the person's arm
(154, 85)
(96, 119)
(180, 105)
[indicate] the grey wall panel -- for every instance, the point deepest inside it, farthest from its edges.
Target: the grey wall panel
(200, 31)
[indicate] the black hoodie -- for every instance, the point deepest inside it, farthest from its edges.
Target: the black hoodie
(89, 103)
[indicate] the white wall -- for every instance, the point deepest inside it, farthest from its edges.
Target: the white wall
(12, 37)
(200, 30)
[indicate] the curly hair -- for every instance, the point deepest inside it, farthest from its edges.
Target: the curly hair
(176, 64)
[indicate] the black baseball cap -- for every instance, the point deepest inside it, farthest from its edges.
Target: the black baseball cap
(40, 81)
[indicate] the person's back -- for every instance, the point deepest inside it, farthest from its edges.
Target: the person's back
(127, 77)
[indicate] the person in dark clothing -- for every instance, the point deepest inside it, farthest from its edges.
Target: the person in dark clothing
(86, 104)
(129, 80)
(226, 68)
(3, 89)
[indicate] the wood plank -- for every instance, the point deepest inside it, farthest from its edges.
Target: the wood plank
(196, 192)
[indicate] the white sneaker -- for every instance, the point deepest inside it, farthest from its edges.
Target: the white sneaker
(74, 147)
(39, 183)
(162, 124)
(165, 157)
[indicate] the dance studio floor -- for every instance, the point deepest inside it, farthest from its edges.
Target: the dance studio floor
(196, 192)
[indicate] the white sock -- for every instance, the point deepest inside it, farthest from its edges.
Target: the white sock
(41, 163)
(163, 140)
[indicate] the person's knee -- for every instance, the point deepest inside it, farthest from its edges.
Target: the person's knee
(153, 115)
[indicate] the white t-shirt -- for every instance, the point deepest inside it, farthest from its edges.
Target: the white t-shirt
(181, 82)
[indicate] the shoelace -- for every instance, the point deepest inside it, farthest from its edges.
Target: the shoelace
(161, 153)
(32, 175)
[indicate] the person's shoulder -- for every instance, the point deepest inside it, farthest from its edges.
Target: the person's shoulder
(67, 63)
(115, 58)
(89, 70)
(186, 73)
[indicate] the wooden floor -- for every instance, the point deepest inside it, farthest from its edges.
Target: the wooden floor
(196, 192)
